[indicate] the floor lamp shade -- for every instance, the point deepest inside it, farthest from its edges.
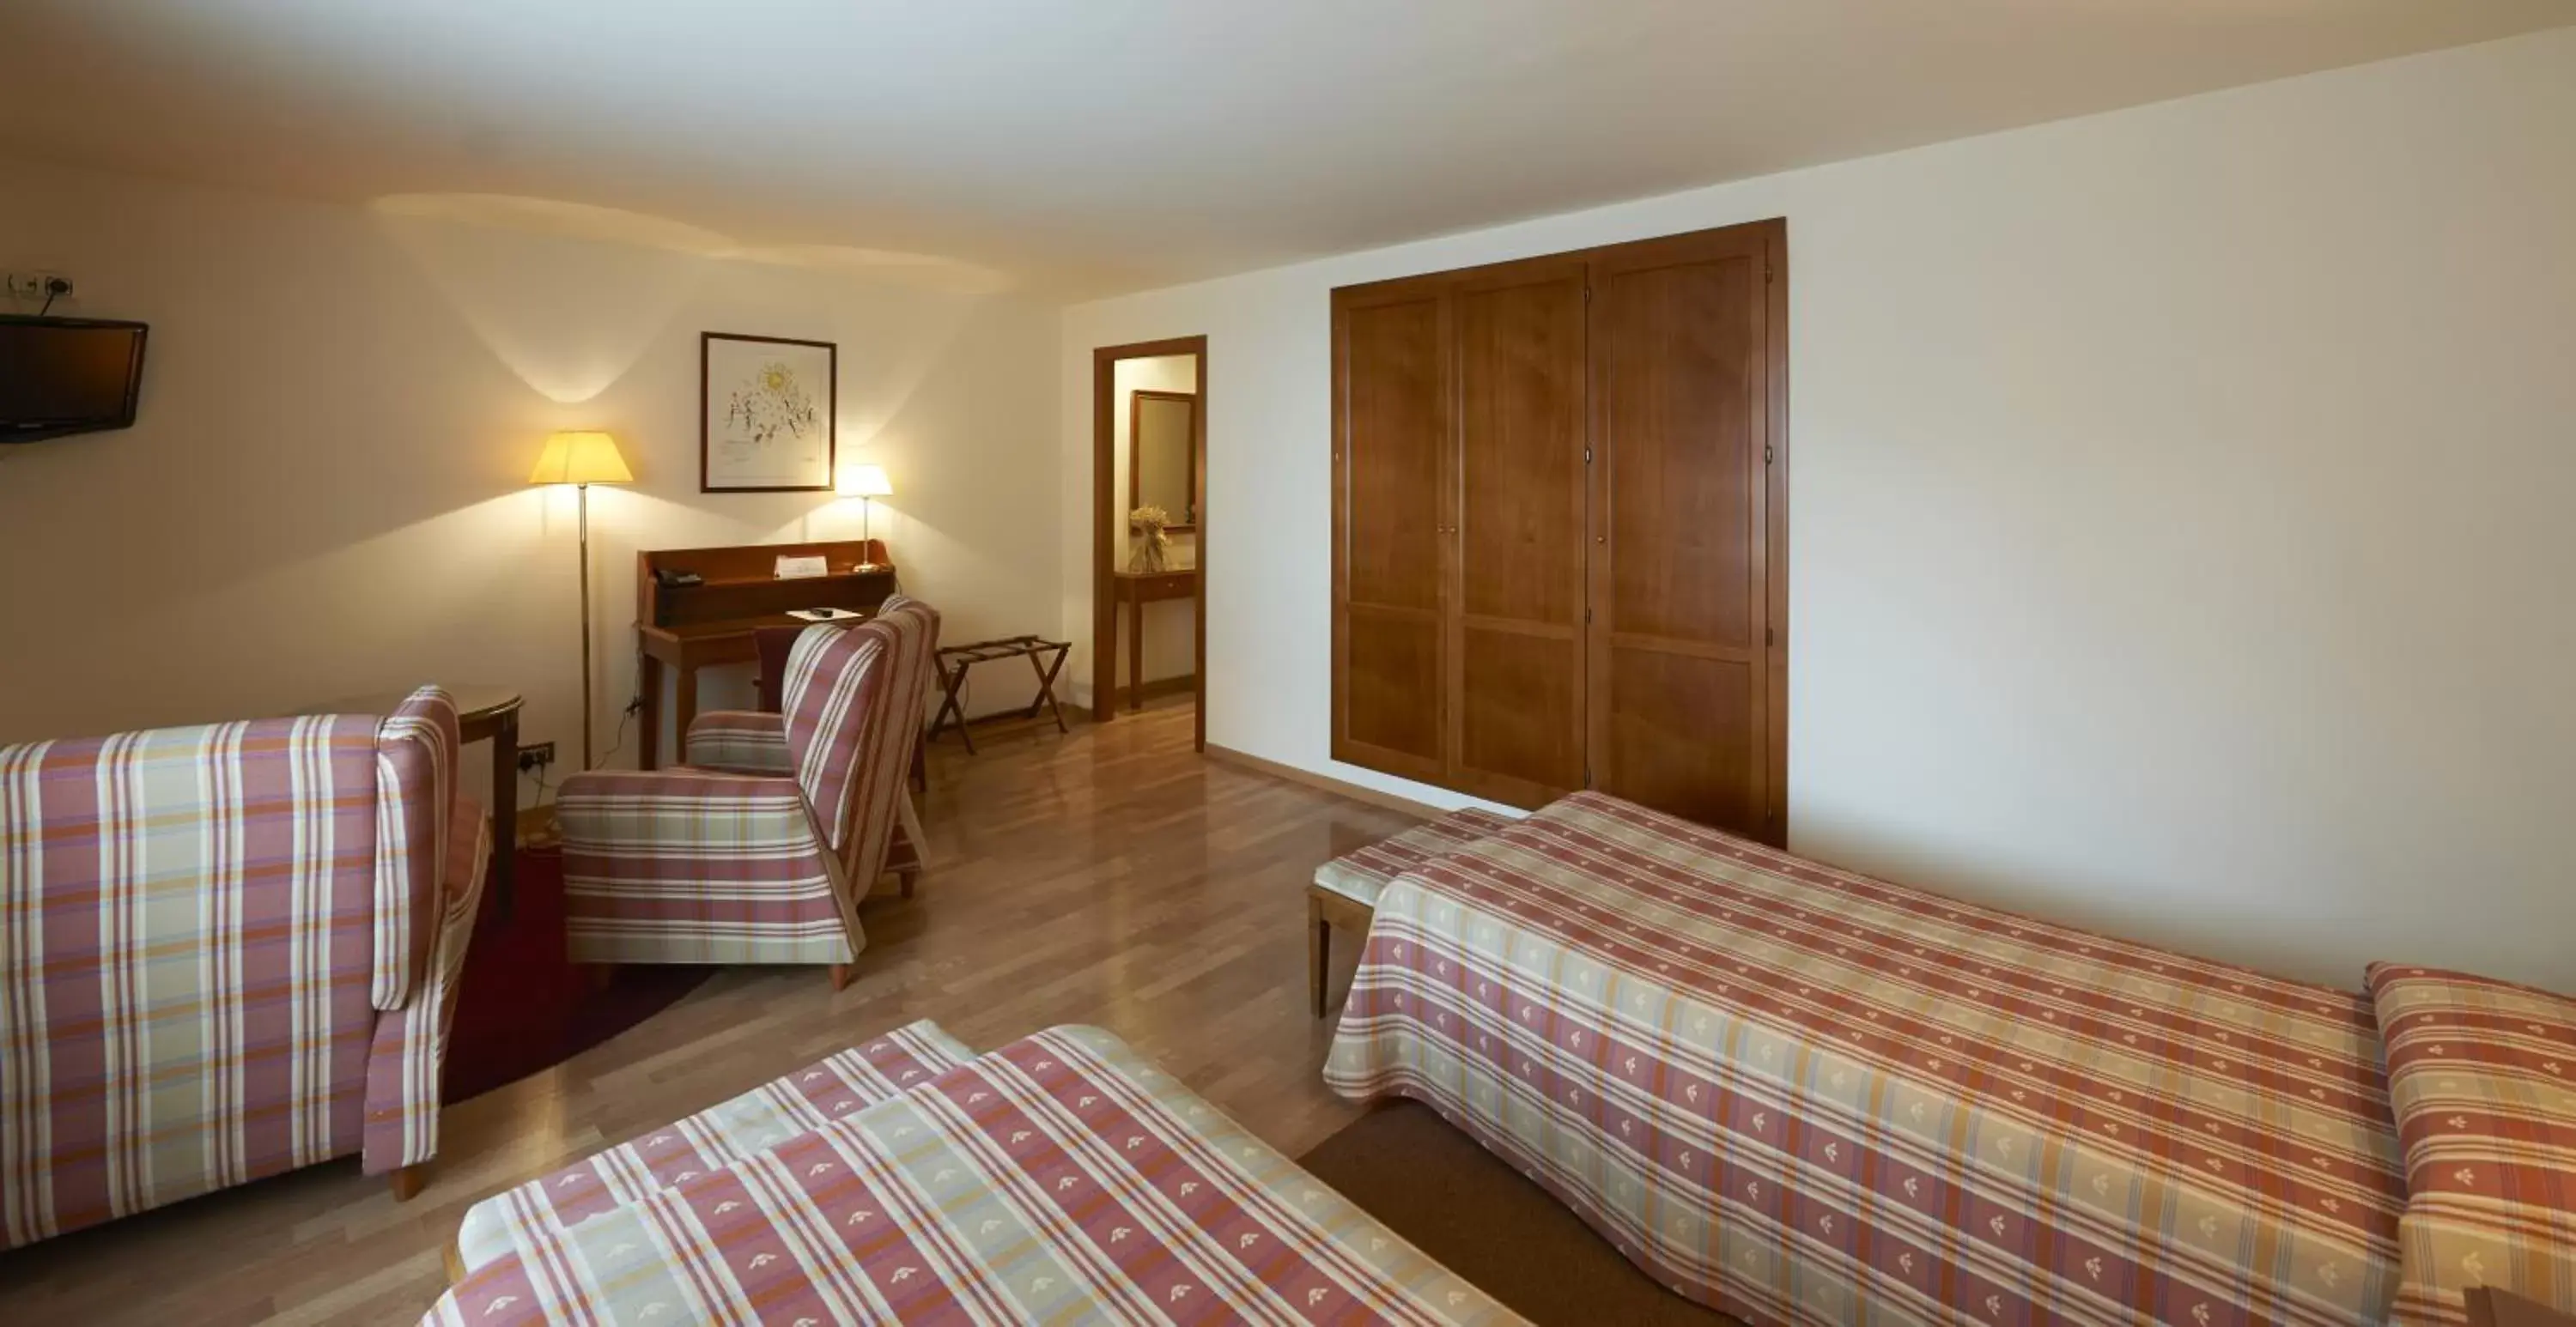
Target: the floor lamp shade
(581, 458)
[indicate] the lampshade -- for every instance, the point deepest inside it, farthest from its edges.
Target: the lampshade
(581, 457)
(865, 481)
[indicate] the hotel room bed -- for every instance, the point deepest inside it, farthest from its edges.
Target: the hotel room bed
(1059, 1179)
(1800, 1095)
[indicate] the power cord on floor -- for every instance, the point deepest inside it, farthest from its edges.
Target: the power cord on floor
(617, 740)
(547, 788)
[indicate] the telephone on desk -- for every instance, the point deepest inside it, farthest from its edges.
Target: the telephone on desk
(670, 579)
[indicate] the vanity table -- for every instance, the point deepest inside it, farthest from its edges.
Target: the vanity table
(1135, 589)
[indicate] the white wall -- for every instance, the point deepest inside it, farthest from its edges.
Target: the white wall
(2181, 538)
(325, 493)
(1171, 633)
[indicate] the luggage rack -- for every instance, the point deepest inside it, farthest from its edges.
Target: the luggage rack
(964, 657)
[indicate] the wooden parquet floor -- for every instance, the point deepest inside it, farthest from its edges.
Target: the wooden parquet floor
(1110, 877)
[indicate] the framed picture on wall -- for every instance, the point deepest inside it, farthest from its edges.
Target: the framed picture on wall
(765, 407)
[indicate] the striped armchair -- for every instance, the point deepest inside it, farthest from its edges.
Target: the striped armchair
(759, 849)
(225, 952)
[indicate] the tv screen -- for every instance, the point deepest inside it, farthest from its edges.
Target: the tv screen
(67, 375)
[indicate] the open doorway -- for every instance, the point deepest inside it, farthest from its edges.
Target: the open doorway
(1149, 529)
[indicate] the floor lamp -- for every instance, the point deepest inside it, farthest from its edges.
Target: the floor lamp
(582, 459)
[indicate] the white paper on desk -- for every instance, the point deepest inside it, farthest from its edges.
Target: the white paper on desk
(795, 569)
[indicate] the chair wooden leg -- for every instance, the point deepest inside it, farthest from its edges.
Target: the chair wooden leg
(908, 815)
(842, 973)
(455, 1261)
(406, 1182)
(598, 976)
(1319, 950)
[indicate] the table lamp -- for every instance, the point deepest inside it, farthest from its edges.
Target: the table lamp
(582, 458)
(865, 482)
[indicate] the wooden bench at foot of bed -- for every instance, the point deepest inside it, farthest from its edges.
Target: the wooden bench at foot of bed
(1346, 889)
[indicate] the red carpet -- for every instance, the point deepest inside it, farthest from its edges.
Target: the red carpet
(522, 1008)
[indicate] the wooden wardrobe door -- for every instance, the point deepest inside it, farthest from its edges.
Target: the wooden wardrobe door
(1516, 660)
(1391, 449)
(1681, 383)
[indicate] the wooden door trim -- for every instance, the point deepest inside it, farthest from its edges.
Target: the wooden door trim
(1106, 520)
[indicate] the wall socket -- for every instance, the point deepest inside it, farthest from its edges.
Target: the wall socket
(536, 756)
(32, 285)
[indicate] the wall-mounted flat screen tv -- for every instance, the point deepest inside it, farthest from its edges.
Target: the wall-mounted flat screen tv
(67, 375)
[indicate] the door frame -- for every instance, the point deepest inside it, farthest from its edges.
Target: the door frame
(1106, 521)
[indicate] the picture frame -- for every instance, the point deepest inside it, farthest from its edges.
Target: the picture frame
(767, 413)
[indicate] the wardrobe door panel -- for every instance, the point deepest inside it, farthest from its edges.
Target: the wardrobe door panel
(1680, 374)
(1518, 653)
(1520, 722)
(1520, 405)
(1391, 451)
(1392, 672)
(1670, 746)
(1396, 426)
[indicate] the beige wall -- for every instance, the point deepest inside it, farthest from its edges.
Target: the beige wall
(325, 491)
(2181, 540)
(1171, 638)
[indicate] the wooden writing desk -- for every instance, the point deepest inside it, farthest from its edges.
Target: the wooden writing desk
(1136, 589)
(688, 627)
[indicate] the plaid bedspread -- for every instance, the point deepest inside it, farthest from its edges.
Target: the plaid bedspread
(1804, 1096)
(839, 1085)
(1059, 1179)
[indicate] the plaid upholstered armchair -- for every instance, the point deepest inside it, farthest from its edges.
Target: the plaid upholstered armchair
(760, 848)
(225, 952)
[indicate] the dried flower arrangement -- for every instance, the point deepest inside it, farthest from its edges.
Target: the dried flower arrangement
(1148, 523)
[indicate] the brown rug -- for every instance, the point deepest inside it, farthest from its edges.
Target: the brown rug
(1487, 1222)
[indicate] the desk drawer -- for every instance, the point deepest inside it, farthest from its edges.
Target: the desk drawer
(1162, 585)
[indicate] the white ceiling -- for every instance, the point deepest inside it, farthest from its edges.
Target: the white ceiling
(1096, 145)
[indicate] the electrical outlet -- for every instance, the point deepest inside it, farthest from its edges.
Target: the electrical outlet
(38, 285)
(536, 756)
